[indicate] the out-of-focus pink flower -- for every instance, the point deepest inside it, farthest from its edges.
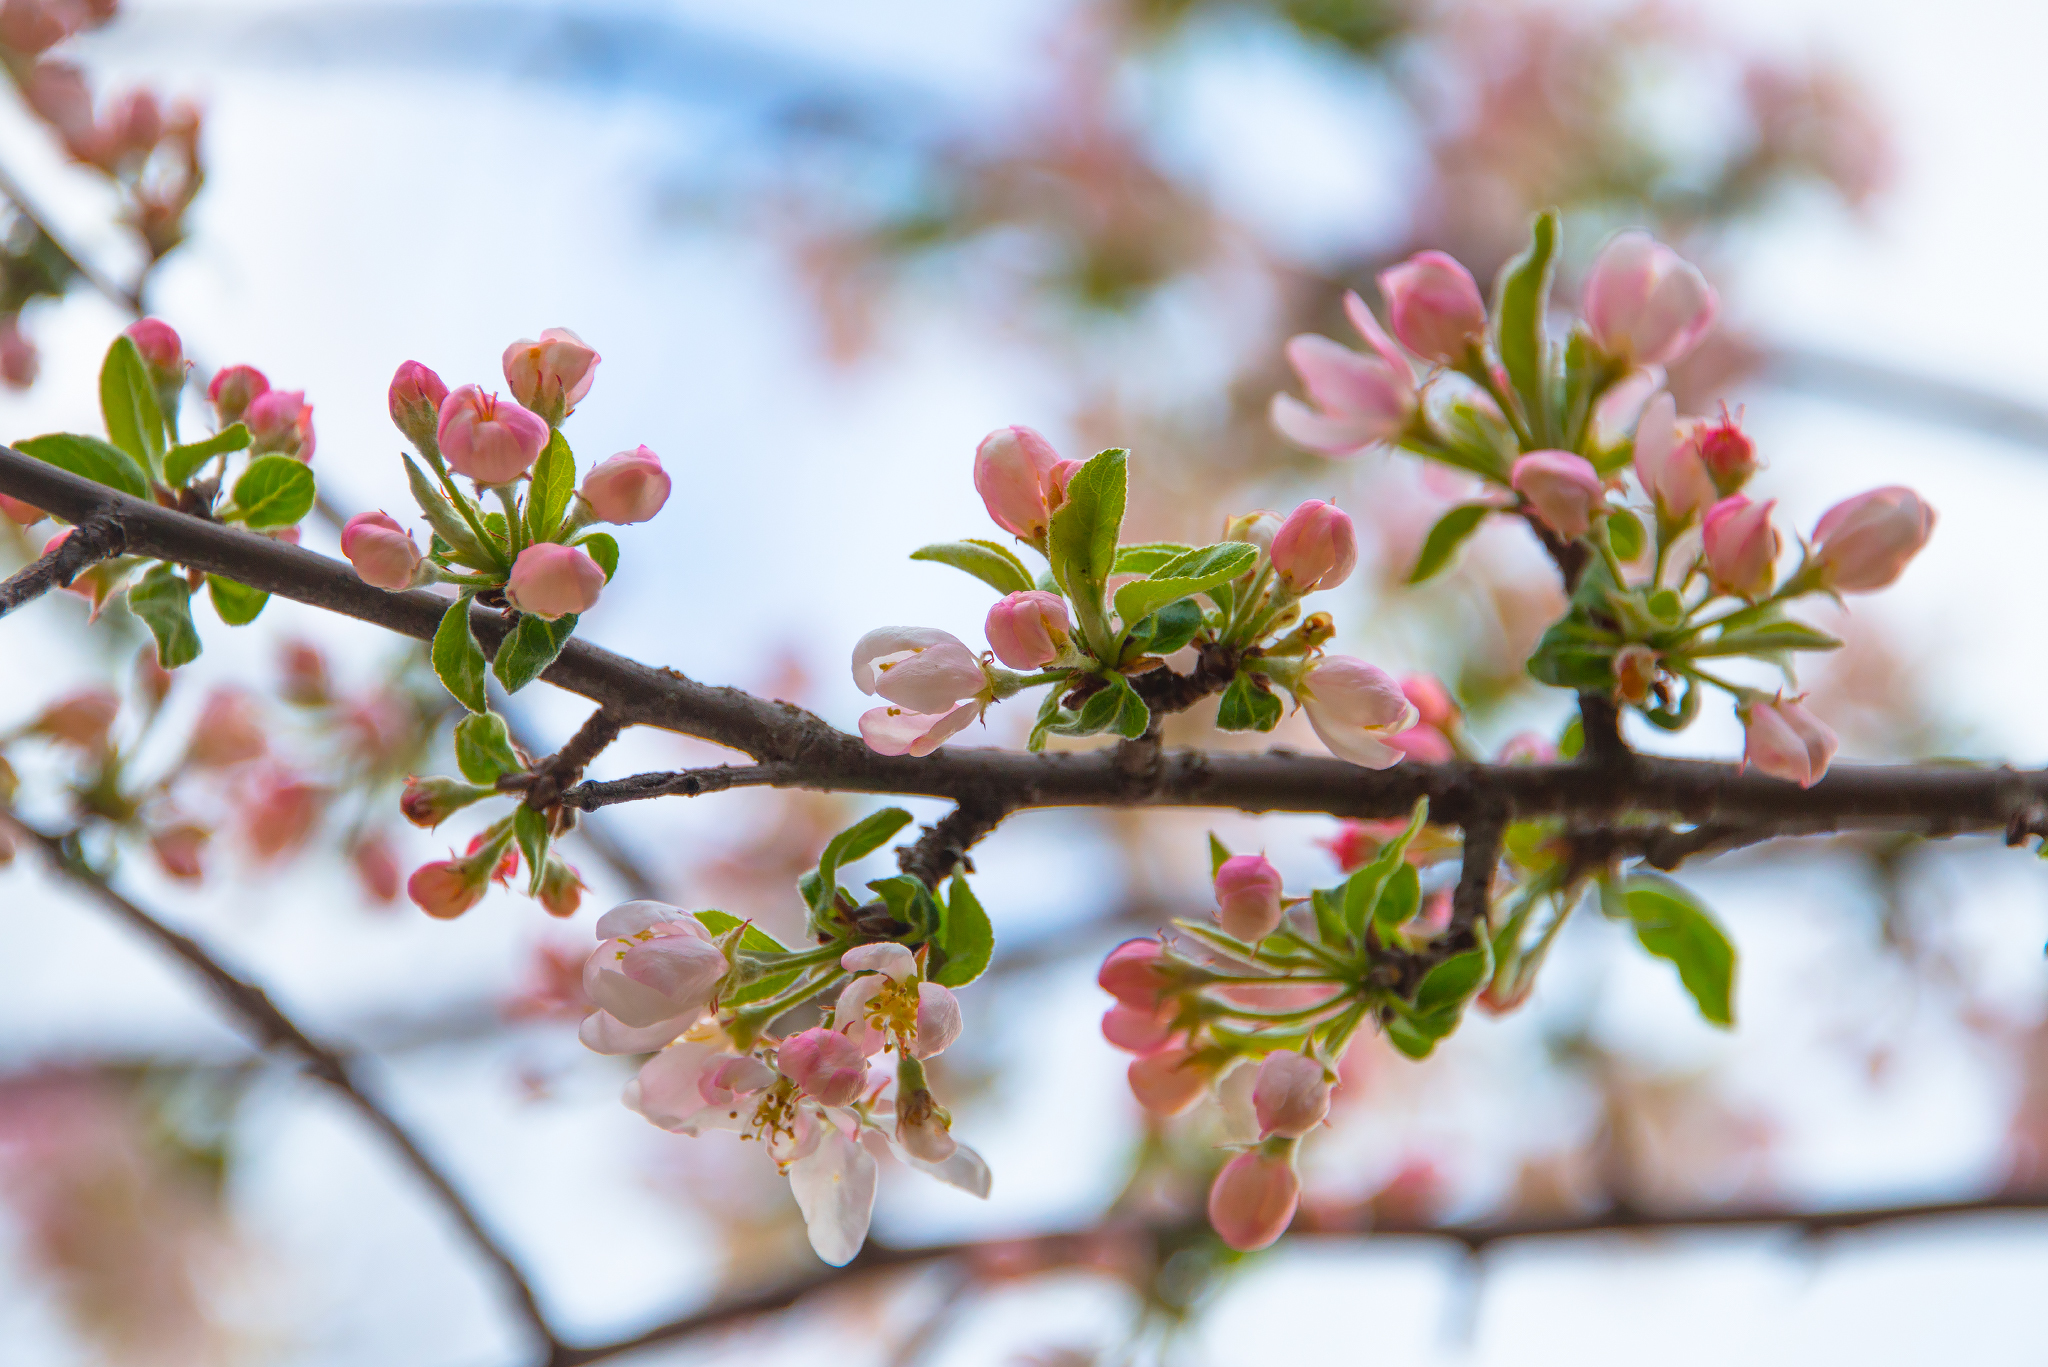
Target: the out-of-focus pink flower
(22, 514)
(280, 420)
(1359, 401)
(81, 720)
(415, 401)
(627, 488)
(1137, 1031)
(1434, 307)
(1527, 748)
(1645, 304)
(1253, 1199)
(1355, 707)
(486, 439)
(229, 731)
(1248, 897)
(1424, 745)
(938, 1020)
(376, 866)
(1785, 740)
(279, 814)
(654, 963)
(1013, 470)
(1726, 451)
(551, 376)
(824, 1064)
(549, 580)
(1029, 630)
(1863, 543)
(305, 677)
(28, 28)
(234, 389)
(1669, 464)
(1741, 546)
(1316, 547)
(1167, 1083)
(18, 367)
(382, 552)
(1433, 703)
(1564, 488)
(177, 850)
(1133, 976)
(1291, 1096)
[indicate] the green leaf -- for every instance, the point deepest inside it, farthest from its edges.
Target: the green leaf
(1572, 739)
(1183, 577)
(1049, 715)
(1625, 534)
(183, 462)
(1445, 537)
(530, 828)
(1403, 1035)
(1329, 917)
(163, 600)
(985, 560)
(1454, 980)
(275, 491)
(1247, 707)
(1400, 898)
(910, 903)
(1082, 540)
(965, 935)
(236, 604)
(1218, 852)
(447, 523)
(1673, 925)
(602, 547)
(483, 748)
(530, 648)
(1134, 716)
(458, 659)
(1165, 631)
(89, 458)
(857, 841)
(1521, 299)
(553, 485)
(1362, 890)
(1147, 558)
(1766, 636)
(135, 422)
(754, 939)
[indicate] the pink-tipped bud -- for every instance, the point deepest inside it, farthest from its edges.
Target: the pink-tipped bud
(1029, 630)
(1433, 703)
(1137, 1031)
(415, 401)
(629, 487)
(1253, 1200)
(1355, 708)
(1741, 546)
(1434, 307)
(382, 551)
(1863, 543)
(18, 363)
(81, 720)
(1248, 897)
(551, 376)
(1291, 1095)
(1056, 482)
(825, 1064)
(234, 389)
(1012, 467)
(1564, 488)
(1785, 740)
(229, 731)
(427, 802)
(549, 580)
(447, 887)
(1168, 1082)
(162, 352)
(561, 887)
(280, 420)
(1669, 465)
(1133, 976)
(1645, 304)
(1726, 451)
(938, 1020)
(485, 438)
(1316, 547)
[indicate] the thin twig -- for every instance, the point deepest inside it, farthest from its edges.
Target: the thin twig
(682, 783)
(273, 1029)
(94, 540)
(944, 845)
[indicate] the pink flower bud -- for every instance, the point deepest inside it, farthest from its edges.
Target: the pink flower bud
(561, 887)
(1726, 451)
(1133, 976)
(1434, 307)
(550, 376)
(938, 1021)
(280, 420)
(1565, 490)
(21, 514)
(234, 389)
(549, 580)
(381, 550)
(724, 1078)
(1168, 1082)
(1011, 469)
(1056, 483)
(1785, 740)
(279, 813)
(1433, 704)
(825, 1064)
(229, 731)
(31, 27)
(305, 680)
(1863, 543)
(487, 439)
(1029, 630)
(1669, 465)
(1248, 897)
(1359, 401)
(629, 487)
(1291, 1096)
(445, 888)
(415, 401)
(376, 866)
(920, 669)
(1316, 547)
(18, 366)
(1527, 747)
(178, 849)
(1138, 1031)
(81, 720)
(1253, 1200)
(1354, 707)
(1259, 528)
(427, 802)
(1645, 304)
(666, 970)
(1741, 546)
(161, 350)
(134, 125)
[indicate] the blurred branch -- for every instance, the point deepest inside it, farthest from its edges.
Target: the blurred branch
(275, 1030)
(1894, 389)
(126, 299)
